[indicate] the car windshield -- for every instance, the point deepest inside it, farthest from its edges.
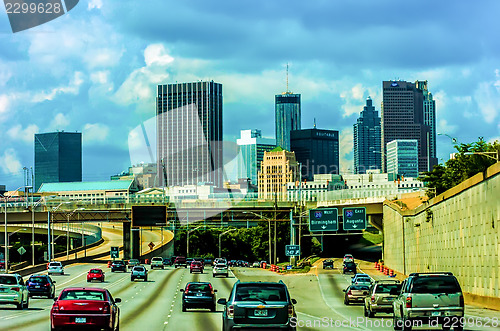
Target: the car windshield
(386, 288)
(198, 287)
(82, 295)
(260, 293)
(38, 279)
(8, 280)
(435, 284)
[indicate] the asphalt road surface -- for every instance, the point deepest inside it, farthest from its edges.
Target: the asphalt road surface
(156, 304)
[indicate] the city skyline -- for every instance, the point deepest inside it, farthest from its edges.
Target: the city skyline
(102, 79)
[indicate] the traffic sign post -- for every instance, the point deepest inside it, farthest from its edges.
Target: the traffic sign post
(292, 250)
(115, 252)
(354, 218)
(323, 220)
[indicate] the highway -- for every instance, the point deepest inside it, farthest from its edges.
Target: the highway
(156, 304)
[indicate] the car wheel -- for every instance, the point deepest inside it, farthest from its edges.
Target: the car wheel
(19, 306)
(183, 308)
(146, 279)
(213, 308)
(406, 324)
(131, 279)
(371, 314)
(396, 323)
(25, 306)
(459, 327)
(365, 312)
(346, 302)
(117, 328)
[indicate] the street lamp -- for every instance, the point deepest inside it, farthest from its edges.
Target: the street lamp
(269, 226)
(187, 241)
(49, 232)
(453, 140)
(495, 157)
(67, 230)
(220, 242)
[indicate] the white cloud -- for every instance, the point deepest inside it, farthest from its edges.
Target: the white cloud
(60, 122)
(72, 88)
(155, 54)
(101, 77)
(487, 96)
(9, 162)
(95, 132)
(4, 103)
(94, 4)
(27, 135)
(354, 99)
(444, 127)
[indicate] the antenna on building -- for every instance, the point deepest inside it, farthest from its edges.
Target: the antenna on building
(287, 91)
(314, 126)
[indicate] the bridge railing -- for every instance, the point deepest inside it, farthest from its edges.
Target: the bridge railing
(91, 232)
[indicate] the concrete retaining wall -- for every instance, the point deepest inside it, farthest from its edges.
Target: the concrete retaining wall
(457, 231)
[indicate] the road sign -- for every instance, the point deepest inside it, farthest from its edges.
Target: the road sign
(323, 220)
(292, 250)
(355, 218)
(115, 252)
(151, 245)
(21, 250)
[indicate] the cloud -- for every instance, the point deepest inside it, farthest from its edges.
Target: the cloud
(60, 122)
(354, 99)
(72, 88)
(95, 132)
(9, 162)
(94, 4)
(27, 135)
(444, 127)
(155, 54)
(4, 103)
(487, 96)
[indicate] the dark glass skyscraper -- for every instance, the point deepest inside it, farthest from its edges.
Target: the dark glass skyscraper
(58, 157)
(367, 133)
(189, 133)
(403, 118)
(287, 117)
(316, 150)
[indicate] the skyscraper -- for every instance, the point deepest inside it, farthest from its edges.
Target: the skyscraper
(58, 157)
(429, 120)
(403, 118)
(367, 135)
(189, 133)
(278, 168)
(316, 150)
(252, 148)
(402, 158)
(287, 117)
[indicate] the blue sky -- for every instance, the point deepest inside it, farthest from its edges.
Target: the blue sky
(95, 69)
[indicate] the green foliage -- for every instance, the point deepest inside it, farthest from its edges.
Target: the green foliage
(462, 167)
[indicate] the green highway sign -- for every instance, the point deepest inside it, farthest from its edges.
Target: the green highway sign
(292, 250)
(354, 218)
(323, 220)
(115, 253)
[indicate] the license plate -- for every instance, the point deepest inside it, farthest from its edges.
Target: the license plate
(37, 286)
(436, 313)
(388, 299)
(80, 320)
(199, 294)
(260, 312)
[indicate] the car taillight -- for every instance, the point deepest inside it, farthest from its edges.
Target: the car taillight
(373, 299)
(211, 289)
(17, 289)
(55, 307)
(408, 302)
(47, 285)
(290, 311)
(462, 303)
(230, 312)
(106, 308)
(349, 292)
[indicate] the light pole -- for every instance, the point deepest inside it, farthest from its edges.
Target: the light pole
(6, 253)
(50, 233)
(67, 230)
(453, 140)
(187, 241)
(269, 226)
(484, 154)
(220, 242)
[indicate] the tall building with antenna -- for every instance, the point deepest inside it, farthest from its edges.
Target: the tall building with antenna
(287, 115)
(367, 135)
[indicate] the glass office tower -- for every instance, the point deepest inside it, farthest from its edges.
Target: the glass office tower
(367, 134)
(287, 117)
(252, 148)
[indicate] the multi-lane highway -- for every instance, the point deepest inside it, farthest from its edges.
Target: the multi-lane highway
(156, 304)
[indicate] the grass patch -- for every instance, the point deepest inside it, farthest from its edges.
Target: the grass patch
(370, 238)
(314, 259)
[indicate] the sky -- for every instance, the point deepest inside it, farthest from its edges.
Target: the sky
(95, 69)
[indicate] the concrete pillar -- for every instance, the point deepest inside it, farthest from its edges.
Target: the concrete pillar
(126, 241)
(136, 242)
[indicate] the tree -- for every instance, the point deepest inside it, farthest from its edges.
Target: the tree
(462, 166)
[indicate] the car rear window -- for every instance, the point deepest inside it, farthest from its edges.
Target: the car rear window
(54, 264)
(139, 268)
(435, 284)
(363, 279)
(95, 271)
(82, 295)
(350, 264)
(8, 280)
(38, 280)
(386, 288)
(259, 293)
(198, 287)
(359, 288)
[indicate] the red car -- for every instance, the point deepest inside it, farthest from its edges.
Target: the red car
(85, 306)
(95, 274)
(196, 266)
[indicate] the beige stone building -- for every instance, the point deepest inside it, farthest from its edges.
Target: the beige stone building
(278, 168)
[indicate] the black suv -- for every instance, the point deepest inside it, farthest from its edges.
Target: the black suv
(429, 297)
(118, 265)
(41, 285)
(258, 305)
(349, 267)
(198, 295)
(328, 264)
